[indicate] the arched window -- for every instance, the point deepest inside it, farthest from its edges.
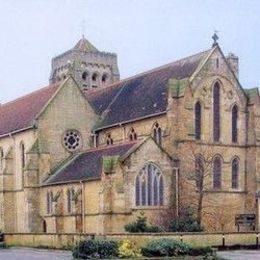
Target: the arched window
(157, 134)
(22, 151)
(44, 226)
(104, 78)
(49, 202)
(234, 123)
(132, 135)
(199, 172)
(94, 80)
(198, 121)
(216, 112)
(235, 173)
(217, 173)
(84, 75)
(149, 186)
(109, 140)
(70, 194)
(1, 157)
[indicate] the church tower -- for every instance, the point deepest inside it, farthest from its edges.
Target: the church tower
(90, 67)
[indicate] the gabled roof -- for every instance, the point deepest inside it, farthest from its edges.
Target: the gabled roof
(87, 165)
(143, 95)
(84, 45)
(20, 113)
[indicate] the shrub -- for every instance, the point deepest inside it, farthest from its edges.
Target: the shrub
(128, 249)
(195, 251)
(186, 223)
(140, 225)
(165, 247)
(90, 249)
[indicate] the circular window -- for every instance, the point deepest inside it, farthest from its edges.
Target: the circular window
(72, 140)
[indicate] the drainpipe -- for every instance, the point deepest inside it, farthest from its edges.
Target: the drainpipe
(83, 205)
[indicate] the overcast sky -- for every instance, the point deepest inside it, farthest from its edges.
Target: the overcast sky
(144, 34)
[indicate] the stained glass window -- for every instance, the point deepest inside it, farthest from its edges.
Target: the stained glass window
(235, 172)
(216, 112)
(234, 123)
(149, 186)
(197, 121)
(217, 173)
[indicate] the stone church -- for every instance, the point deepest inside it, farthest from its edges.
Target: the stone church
(89, 152)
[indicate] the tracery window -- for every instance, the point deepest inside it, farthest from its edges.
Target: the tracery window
(72, 140)
(157, 133)
(217, 173)
(198, 121)
(216, 112)
(234, 124)
(235, 174)
(132, 135)
(109, 140)
(199, 172)
(149, 186)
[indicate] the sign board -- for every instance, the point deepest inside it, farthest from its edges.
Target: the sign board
(245, 219)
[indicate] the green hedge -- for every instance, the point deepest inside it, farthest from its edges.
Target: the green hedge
(90, 249)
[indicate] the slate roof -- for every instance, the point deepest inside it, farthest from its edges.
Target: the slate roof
(20, 113)
(87, 165)
(252, 94)
(84, 45)
(143, 95)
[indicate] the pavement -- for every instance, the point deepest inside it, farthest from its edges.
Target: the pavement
(239, 254)
(33, 254)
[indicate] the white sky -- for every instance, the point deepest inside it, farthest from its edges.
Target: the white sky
(144, 34)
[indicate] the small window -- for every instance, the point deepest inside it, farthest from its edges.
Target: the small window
(235, 174)
(84, 75)
(197, 121)
(217, 173)
(70, 194)
(1, 157)
(109, 140)
(104, 78)
(94, 77)
(22, 151)
(157, 133)
(49, 202)
(149, 186)
(132, 135)
(216, 112)
(234, 124)
(217, 63)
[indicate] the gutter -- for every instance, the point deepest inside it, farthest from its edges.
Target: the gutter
(17, 131)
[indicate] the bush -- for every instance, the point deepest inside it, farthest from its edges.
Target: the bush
(195, 251)
(128, 249)
(186, 223)
(165, 247)
(90, 249)
(140, 225)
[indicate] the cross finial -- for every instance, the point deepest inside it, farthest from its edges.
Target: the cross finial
(83, 28)
(215, 38)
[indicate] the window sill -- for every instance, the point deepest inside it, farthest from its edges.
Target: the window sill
(149, 207)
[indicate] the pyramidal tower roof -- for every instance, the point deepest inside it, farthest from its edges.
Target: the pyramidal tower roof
(84, 45)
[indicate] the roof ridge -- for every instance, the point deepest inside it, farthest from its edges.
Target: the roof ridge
(28, 95)
(107, 147)
(117, 83)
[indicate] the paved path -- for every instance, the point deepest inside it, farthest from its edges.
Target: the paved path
(240, 254)
(33, 254)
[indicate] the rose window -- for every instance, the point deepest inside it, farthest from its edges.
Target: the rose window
(72, 140)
